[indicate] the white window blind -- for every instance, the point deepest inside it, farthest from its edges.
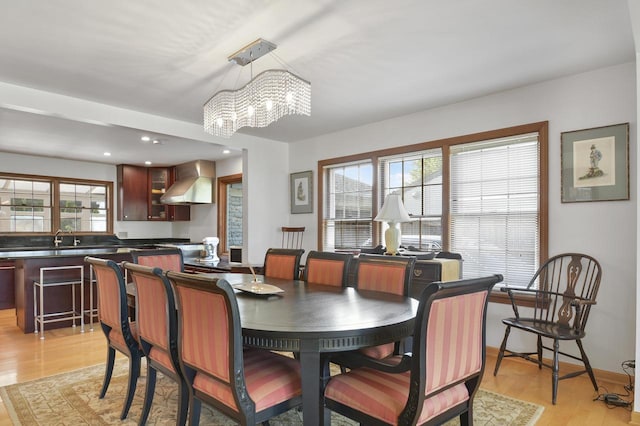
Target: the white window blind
(494, 207)
(348, 205)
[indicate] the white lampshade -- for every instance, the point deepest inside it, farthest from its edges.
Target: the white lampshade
(392, 210)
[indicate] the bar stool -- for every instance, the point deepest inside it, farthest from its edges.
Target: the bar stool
(59, 279)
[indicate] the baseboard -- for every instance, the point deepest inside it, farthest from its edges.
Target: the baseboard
(635, 418)
(566, 367)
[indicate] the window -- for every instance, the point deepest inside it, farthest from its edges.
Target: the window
(42, 205)
(417, 177)
(348, 206)
(494, 207)
(83, 208)
(482, 195)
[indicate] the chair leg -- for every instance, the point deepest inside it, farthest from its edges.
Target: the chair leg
(466, 418)
(587, 364)
(503, 346)
(183, 403)
(556, 368)
(539, 352)
(134, 373)
(111, 356)
(148, 394)
(194, 411)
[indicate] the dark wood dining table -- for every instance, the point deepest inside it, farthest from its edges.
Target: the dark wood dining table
(316, 321)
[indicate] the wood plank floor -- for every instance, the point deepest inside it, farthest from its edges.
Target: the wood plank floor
(25, 357)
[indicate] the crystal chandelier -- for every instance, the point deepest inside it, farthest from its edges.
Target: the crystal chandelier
(272, 94)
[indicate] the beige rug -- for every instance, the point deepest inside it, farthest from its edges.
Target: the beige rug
(72, 399)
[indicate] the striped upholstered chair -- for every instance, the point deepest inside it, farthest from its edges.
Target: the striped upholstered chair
(121, 333)
(165, 259)
(157, 322)
(439, 380)
(327, 268)
(282, 263)
(249, 385)
(387, 274)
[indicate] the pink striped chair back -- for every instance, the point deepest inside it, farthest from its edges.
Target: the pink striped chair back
(385, 274)
(151, 306)
(454, 339)
(282, 263)
(109, 296)
(165, 259)
(327, 268)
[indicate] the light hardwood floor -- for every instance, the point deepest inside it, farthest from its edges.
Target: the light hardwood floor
(25, 357)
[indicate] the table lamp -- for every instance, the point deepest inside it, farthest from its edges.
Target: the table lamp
(392, 212)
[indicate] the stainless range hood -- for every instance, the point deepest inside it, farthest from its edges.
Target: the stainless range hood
(194, 184)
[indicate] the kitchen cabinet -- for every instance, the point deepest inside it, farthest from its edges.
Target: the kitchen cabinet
(139, 192)
(7, 285)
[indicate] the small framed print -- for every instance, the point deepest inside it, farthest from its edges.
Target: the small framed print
(595, 164)
(301, 188)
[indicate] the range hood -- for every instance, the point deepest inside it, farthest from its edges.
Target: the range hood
(194, 184)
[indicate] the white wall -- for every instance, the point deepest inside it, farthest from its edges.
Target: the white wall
(606, 230)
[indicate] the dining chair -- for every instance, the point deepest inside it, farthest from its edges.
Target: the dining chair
(562, 291)
(439, 380)
(327, 268)
(282, 263)
(157, 322)
(121, 333)
(387, 274)
(292, 236)
(248, 385)
(169, 259)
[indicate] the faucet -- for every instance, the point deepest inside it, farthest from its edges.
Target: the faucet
(75, 240)
(57, 240)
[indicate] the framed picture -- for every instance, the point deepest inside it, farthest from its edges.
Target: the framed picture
(301, 188)
(595, 164)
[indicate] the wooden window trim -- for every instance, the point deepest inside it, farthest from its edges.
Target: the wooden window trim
(55, 201)
(541, 127)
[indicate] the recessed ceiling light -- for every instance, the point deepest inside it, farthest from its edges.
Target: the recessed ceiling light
(107, 154)
(145, 138)
(226, 151)
(148, 163)
(157, 142)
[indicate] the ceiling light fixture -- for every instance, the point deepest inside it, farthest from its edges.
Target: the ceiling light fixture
(269, 96)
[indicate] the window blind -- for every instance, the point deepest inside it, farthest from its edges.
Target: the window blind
(348, 206)
(494, 207)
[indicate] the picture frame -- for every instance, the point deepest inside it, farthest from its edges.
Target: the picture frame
(595, 164)
(301, 189)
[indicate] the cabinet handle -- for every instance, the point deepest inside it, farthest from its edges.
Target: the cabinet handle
(417, 272)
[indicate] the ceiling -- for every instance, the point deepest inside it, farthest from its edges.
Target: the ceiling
(367, 60)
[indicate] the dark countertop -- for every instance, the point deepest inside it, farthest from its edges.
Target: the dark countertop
(28, 247)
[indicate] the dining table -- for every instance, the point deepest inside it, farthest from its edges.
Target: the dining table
(314, 322)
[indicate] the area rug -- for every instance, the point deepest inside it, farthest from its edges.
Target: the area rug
(72, 399)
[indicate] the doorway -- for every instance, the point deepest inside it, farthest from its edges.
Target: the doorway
(230, 212)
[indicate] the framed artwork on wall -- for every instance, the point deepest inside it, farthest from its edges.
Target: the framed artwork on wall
(301, 188)
(595, 164)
